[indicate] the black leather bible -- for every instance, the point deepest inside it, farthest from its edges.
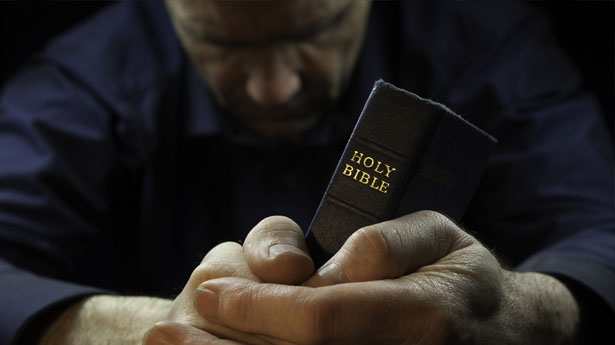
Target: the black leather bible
(405, 154)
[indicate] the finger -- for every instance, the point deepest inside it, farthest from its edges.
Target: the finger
(174, 333)
(276, 252)
(224, 260)
(367, 312)
(392, 249)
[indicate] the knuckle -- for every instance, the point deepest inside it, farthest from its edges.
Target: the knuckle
(216, 263)
(208, 271)
(158, 334)
(373, 240)
(222, 250)
(435, 219)
(445, 233)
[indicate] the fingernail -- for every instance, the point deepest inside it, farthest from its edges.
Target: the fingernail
(331, 274)
(284, 248)
(206, 302)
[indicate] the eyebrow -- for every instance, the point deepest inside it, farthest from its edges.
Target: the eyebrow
(309, 31)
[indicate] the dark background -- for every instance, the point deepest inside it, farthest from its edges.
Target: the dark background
(585, 29)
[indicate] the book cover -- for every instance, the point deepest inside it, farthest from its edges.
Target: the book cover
(405, 154)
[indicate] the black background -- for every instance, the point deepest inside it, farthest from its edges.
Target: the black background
(585, 29)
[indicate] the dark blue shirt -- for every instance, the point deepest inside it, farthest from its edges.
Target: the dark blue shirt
(118, 172)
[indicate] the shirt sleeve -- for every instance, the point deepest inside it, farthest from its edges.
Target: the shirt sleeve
(546, 203)
(56, 156)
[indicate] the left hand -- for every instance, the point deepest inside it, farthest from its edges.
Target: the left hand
(280, 259)
(418, 279)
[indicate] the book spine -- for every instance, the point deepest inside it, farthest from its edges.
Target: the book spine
(380, 157)
(405, 154)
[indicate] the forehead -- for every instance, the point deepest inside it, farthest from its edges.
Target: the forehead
(255, 19)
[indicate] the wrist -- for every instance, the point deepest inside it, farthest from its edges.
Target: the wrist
(106, 319)
(537, 309)
(596, 317)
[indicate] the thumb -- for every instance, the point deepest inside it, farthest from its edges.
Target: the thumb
(276, 252)
(392, 249)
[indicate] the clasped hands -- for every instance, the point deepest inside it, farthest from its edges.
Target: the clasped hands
(418, 279)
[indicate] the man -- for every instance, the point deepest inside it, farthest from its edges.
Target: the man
(124, 159)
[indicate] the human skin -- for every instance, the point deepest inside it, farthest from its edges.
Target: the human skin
(419, 279)
(276, 66)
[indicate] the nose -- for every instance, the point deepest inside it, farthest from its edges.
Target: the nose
(272, 80)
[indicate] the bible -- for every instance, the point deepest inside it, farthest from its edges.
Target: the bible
(405, 154)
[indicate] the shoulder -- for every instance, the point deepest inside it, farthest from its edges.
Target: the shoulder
(450, 42)
(463, 27)
(112, 73)
(125, 50)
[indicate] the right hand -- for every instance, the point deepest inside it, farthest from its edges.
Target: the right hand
(287, 263)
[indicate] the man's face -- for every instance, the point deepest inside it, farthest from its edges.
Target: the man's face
(277, 65)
